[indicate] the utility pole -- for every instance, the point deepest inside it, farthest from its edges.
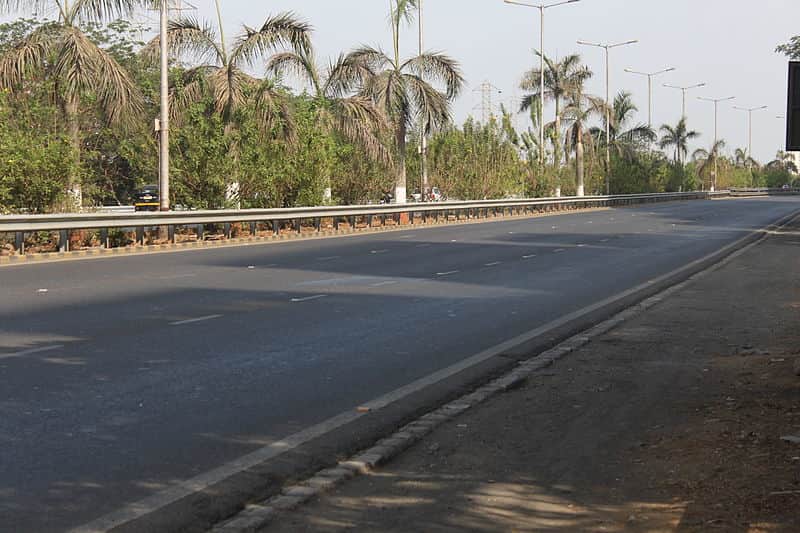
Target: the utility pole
(716, 102)
(684, 90)
(163, 126)
(542, 8)
(650, 76)
(607, 48)
(423, 130)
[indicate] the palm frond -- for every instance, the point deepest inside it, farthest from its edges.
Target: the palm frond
(345, 74)
(81, 67)
(275, 111)
(432, 106)
(358, 120)
(187, 36)
(439, 68)
(28, 55)
(284, 29)
(296, 64)
(102, 10)
(367, 57)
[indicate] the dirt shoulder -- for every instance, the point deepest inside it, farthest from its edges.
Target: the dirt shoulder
(672, 421)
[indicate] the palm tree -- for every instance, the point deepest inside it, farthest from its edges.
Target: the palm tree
(708, 160)
(678, 138)
(402, 89)
(81, 71)
(353, 116)
(625, 139)
(222, 76)
(579, 110)
(561, 78)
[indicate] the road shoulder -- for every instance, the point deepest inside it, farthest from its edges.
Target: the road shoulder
(671, 421)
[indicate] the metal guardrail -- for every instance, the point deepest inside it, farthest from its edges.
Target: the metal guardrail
(763, 191)
(279, 219)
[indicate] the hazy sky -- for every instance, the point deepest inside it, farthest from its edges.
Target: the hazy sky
(728, 44)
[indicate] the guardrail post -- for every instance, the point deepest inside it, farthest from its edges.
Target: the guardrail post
(140, 235)
(276, 227)
(201, 232)
(253, 229)
(19, 242)
(318, 224)
(171, 233)
(336, 223)
(383, 220)
(411, 217)
(299, 223)
(63, 241)
(104, 237)
(226, 229)
(353, 222)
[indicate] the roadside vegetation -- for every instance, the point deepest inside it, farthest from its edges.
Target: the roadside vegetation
(261, 121)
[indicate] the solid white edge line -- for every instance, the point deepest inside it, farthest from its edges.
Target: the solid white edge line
(448, 273)
(183, 489)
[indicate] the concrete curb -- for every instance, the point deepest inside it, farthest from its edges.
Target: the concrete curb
(104, 253)
(256, 516)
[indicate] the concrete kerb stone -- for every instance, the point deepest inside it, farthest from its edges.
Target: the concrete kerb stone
(364, 462)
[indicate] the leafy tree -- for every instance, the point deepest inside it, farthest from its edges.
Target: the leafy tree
(83, 74)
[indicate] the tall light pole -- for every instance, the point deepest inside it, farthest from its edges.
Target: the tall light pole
(542, 8)
(650, 76)
(423, 134)
(684, 90)
(716, 102)
(163, 126)
(607, 48)
(749, 111)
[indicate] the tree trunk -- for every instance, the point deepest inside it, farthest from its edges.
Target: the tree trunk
(400, 184)
(579, 156)
(74, 188)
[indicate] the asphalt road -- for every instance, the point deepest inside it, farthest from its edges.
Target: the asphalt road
(121, 376)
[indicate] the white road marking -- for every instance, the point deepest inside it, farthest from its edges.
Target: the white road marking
(194, 320)
(605, 240)
(492, 264)
(43, 291)
(559, 251)
(454, 240)
(251, 267)
(178, 276)
(32, 351)
(309, 298)
(528, 256)
(384, 283)
(378, 251)
(581, 245)
(448, 273)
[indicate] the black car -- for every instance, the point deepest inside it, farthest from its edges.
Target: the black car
(146, 198)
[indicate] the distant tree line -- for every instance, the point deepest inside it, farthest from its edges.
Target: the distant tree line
(78, 95)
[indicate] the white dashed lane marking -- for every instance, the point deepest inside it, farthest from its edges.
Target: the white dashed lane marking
(309, 298)
(194, 320)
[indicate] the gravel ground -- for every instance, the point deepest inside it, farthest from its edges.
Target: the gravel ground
(673, 421)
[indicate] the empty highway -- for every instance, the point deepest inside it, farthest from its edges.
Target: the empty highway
(123, 376)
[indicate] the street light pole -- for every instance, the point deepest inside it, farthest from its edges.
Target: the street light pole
(683, 90)
(423, 142)
(749, 111)
(716, 102)
(650, 76)
(607, 48)
(163, 171)
(542, 8)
